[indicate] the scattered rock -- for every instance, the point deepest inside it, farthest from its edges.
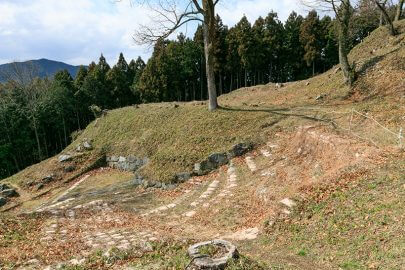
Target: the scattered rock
(113, 159)
(279, 85)
(321, 96)
(190, 213)
(148, 184)
(239, 150)
(130, 163)
(137, 180)
(4, 187)
(288, 202)
(247, 234)
(337, 70)
(205, 262)
(77, 261)
(204, 167)
(3, 201)
(39, 186)
(182, 177)
(64, 158)
(158, 185)
(146, 246)
(30, 183)
(32, 262)
(307, 83)
(87, 145)
(48, 178)
(9, 193)
(218, 159)
(170, 186)
(176, 105)
(69, 169)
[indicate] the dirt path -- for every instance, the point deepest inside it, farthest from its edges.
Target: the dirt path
(232, 203)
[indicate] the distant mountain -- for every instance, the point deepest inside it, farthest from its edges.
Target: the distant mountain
(40, 68)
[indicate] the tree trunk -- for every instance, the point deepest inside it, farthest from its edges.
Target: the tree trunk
(387, 18)
(209, 33)
(45, 143)
(193, 90)
(271, 71)
(381, 13)
(399, 10)
(313, 68)
(64, 130)
(11, 143)
(37, 139)
(381, 23)
(185, 92)
(201, 77)
(231, 85)
(343, 43)
(220, 84)
(60, 141)
(78, 120)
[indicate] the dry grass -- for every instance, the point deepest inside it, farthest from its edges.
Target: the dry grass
(355, 225)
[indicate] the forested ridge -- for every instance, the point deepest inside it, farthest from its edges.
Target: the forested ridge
(39, 116)
(43, 68)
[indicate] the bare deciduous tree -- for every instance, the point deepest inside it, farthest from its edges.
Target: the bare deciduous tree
(343, 12)
(399, 10)
(170, 15)
(390, 25)
(382, 3)
(23, 78)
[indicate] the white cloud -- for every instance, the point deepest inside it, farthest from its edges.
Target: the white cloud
(77, 32)
(72, 31)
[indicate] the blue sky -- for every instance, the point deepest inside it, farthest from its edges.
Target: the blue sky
(78, 31)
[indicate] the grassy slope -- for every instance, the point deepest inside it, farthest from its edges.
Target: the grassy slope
(357, 225)
(175, 138)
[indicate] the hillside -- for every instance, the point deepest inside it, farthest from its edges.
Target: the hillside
(323, 187)
(42, 67)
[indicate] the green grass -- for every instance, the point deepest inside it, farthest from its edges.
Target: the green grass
(174, 138)
(211, 250)
(359, 226)
(15, 230)
(165, 255)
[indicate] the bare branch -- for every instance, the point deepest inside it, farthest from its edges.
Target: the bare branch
(390, 25)
(167, 16)
(197, 6)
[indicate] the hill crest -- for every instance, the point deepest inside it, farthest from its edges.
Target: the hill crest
(42, 68)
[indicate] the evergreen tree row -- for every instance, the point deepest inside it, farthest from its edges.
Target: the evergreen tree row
(38, 116)
(249, 54)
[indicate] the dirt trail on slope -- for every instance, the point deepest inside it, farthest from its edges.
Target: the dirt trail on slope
(232, 203)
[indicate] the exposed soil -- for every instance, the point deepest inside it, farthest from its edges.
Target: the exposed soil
(237, 202)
